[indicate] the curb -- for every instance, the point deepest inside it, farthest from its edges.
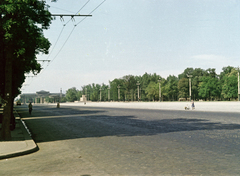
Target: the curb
(31, 146)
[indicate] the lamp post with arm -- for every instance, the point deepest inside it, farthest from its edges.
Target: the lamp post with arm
(160, 96)
(190, 93)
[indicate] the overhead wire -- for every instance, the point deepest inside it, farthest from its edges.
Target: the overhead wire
(79, 10)
(68, 36)
(91, 12)
(76, 26)
(62, 9)
(52, 50)
(70, 32)
(56, 42)
(63, 44)
(59, 38)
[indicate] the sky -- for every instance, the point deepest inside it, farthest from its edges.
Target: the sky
(133, 37)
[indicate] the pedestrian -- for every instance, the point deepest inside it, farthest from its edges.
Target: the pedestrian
(193, 106)
(30, 108)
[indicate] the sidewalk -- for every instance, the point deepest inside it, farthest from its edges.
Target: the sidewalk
(20, 144)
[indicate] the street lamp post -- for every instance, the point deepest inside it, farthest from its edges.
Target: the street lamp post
(190, 93)
(160, 96)
(60, 95)
(118, 92)
(109, 94)
(138, 84)
(238, 86)
(100, 94)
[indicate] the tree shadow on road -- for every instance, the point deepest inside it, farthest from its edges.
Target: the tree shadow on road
(73, 123)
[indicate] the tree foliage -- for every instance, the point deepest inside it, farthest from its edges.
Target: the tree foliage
(152, 91)
(183, 88)
(209, 88)
(71, 94)
(205, 84)
(21, 38)
(21, 30)
(230, 84)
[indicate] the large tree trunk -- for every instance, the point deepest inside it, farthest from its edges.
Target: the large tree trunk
(7, 112)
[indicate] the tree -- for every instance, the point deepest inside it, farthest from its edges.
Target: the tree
(71, 94)
(95, 95)
(196, 73)
(104, 92)
(226, 71)
(183, 88)
(129, 84)
(211, 72)
(209, 87)
(144, 81)
(49, 100)
(114, 89)
(21, 31)
(230, 84)
(172, 87)
(152, 91)
(187, 71)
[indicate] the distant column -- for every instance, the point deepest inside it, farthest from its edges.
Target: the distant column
(60, 95)
(138, 84)
(190, 93)
(109, 94)
(118, 92)
(238, 87)
(42, 100)
(160, 94)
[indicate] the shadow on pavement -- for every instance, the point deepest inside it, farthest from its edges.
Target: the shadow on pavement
(52, 124)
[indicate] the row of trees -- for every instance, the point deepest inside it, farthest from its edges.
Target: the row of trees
(205, 84)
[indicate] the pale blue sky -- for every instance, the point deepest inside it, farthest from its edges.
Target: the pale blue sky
(137, 36)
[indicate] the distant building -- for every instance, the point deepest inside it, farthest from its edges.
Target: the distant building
(39, 97)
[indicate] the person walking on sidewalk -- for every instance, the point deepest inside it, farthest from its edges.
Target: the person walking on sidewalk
(193, 106)
(30, 108)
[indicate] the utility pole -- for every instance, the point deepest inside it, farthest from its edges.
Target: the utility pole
(60, 97)
(118, 92)
(138, 84)
(60, 94)
(160, 96)
(100, 94)
(190, 93)
(109, 93)
(238, 86)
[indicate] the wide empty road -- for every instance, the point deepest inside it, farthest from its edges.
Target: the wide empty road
(109, 141)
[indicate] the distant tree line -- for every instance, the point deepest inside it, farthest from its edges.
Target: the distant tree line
(205, 85)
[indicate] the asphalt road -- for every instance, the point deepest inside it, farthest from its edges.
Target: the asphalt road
(110, 141)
